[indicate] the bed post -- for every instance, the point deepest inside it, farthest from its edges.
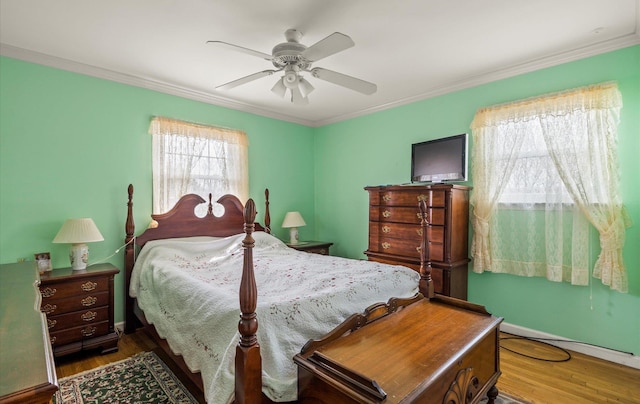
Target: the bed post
(426, 285)
(267, 215)
(248, 377)
(129, 252)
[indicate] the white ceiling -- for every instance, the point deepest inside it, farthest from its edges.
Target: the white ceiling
(412, 49)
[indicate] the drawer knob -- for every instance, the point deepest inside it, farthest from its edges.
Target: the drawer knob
(49, 308)
(420, 232)
(386, 198)
(386, 213)
(89, 301)
(88, 286)
(51, 323)
(48, 292)
(89, 316)
(386, 245)
(88, 331)
(386, 229)
(53, 340)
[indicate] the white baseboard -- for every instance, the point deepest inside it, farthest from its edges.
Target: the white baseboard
(622, 358)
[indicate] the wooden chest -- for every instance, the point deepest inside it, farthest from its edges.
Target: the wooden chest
(395, 233)
(429, 352)
(79, 308)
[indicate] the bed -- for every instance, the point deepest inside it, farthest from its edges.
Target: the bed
(185, 275)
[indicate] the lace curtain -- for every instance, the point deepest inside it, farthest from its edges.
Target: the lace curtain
(200, 159)
(543, 169)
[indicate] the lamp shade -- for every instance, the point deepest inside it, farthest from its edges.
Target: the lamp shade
(293, 219)
(75, 231)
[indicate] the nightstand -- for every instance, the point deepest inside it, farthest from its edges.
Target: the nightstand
(79, 308)
(316, 247)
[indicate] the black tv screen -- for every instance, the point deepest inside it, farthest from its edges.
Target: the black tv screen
(440, 160)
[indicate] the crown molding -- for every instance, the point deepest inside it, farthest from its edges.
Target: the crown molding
(142, 82)
(504, 73)
(179, 91)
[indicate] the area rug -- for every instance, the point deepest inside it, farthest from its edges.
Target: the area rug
(142, 378)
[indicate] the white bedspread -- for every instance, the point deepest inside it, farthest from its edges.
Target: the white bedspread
(189, 290)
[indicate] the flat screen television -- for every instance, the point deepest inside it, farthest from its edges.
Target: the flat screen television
(440, 160)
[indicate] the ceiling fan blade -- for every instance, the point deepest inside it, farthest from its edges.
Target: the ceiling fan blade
(328, 46)
(248, 51)
(246, 79)
(297, 97)
(343, 80)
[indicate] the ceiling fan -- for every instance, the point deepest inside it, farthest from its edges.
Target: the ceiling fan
(293, 58)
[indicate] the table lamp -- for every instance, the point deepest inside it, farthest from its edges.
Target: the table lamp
(77, 232)
(293, 220)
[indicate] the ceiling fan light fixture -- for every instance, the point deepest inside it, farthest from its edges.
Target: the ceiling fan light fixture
(305, 87)
(279, 88)
(290, 79)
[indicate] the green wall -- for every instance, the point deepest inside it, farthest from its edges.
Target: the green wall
(48, 115)
(375, 149)
(71, 144)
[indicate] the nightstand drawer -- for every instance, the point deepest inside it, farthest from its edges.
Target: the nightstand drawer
(73, 288)
(77, 318)
(78, 333)
(74, 303)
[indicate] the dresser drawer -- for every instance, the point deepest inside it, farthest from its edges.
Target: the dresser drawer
(383, 230)
(79, 333)
(74, 303)
(391, 198)
(410, 249)
(405, 215)
(77, 318)
(79, 287)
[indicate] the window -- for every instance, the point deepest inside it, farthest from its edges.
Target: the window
(543, 169)
(199, 159)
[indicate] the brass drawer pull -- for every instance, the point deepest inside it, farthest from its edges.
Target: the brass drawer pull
(386, 229)
(88, 331)
(51, 323)
(89, 316)
(386, 245)
(89, 301)
(49, 308)
(420, 232)
(88, 286)
(386, 198)
(386, 213)
(423, 197)
(418, 249)
(53, 340)
(48, 292)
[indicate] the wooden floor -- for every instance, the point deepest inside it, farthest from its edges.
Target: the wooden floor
(582, 379)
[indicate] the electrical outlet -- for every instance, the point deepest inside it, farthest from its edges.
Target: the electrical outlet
(22, 260)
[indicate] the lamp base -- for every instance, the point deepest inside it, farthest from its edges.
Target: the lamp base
(293, 235)
(79, 256)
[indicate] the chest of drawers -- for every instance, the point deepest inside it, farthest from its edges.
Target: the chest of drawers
(79, 308)
(395, 233)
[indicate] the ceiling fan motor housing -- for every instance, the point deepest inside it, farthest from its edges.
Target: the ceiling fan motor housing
(289, 53)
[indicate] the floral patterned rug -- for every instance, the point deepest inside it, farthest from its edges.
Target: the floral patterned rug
(142, 378)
